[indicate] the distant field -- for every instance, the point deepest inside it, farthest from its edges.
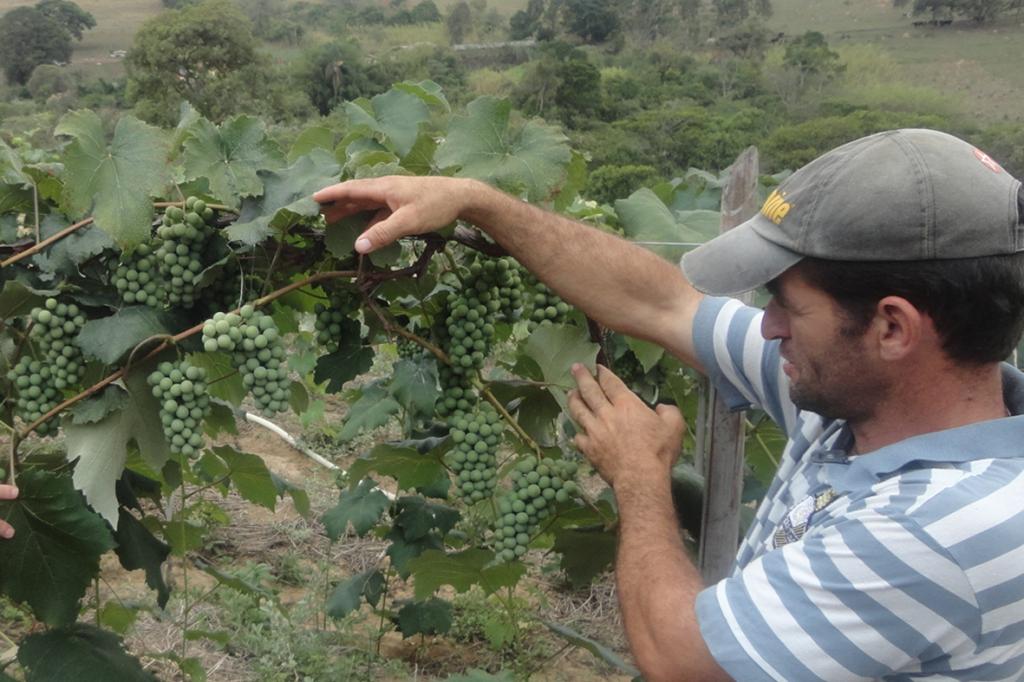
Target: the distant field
(981, 65)
(116, 23)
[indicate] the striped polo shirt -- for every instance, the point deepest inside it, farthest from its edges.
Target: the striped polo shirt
(906, 563)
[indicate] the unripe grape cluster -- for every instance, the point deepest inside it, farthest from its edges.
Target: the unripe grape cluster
(257, 351)
(40, 380)
(184, 404)
(56, 326)
(538, 485)
(543, 306)
(331, 318)
(36, 392)
(137, 278)
(473, 459)
(183, 239)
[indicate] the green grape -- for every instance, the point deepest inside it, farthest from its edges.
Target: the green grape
(184, 239)
(331, 318)
(257, 351)
(55, 327)
(476, 436)
(181, 390)
(542, 306)
(136, 278)
(537, 486)
(37, 393)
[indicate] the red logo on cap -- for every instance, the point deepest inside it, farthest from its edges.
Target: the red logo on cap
(988, 161)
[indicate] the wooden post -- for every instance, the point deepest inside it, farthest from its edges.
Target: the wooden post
(724, 436)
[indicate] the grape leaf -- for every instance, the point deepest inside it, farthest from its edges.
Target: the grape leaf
(555, 348)
(223, 380)
(350, 360)
(101, 447)
(54, 554)
(230, 156)
(395, 114)
(250, 476)
(416, 517)
(97, 407)
(594, 647)
(430, 617)
(66, 255)
(347, 594)
(433, 568)
(428, 91)
(110, 338)
(299, 496)
(646, 352)
(314, 137)
(414, 385)
(10, 167)
(585, 554)
(287, 198)
(402, 551)
(80, 652)
(645, 218)
(138, 548)
(117, 617)
(16, 299)
(530, 159)
(362, 505)
(374, 408)
(407, 466)
(115, 181)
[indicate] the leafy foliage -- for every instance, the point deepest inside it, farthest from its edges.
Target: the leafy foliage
(28, 38)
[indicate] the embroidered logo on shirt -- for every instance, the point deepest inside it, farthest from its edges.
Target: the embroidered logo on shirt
(795, 523)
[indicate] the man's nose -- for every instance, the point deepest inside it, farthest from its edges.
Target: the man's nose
(773, 323)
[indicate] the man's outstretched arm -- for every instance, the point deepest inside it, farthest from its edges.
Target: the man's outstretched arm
(619, 284)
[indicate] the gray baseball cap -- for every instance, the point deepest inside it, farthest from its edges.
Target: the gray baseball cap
(908, 194)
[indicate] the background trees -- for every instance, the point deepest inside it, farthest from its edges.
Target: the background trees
(204, 54)
(30, 36)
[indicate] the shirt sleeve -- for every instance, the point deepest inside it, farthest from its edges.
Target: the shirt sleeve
(867, 596)
(744, 368)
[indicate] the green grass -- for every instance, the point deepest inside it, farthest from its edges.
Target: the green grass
(977, 65)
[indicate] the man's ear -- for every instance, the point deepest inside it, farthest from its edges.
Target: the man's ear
(899, 328)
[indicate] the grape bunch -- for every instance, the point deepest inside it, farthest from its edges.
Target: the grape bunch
(257, 351)
(469, 331)
(184, 404)
(184, 235)
(476, 436)
(537, 487)
(543, 306)
(330, 318)
(137, 278)
(410, 350)
(508, 279)
(56, 325)
(36, 392)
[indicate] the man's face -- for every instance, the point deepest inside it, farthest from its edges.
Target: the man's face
(829, 367)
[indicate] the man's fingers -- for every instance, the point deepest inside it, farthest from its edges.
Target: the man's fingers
(671, 417)
(589, 390)
(8, 492)
(579, 411)
(366, 192)
(612, 385)
(384, 229)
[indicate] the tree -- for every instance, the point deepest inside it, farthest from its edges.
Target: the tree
(732, 12)
(459, 22)
(68, 16)
(334, 72)
(594, 21)
(525, 23)
(810, 57)
(204, 54)
(29, 38)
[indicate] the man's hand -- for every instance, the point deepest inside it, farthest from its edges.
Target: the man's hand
(621, 436)
(402, 205)
(7, 492)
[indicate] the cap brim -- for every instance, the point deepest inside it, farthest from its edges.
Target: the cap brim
(737, 261)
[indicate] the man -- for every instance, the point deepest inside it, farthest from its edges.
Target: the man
(890, 542)
(7, 492)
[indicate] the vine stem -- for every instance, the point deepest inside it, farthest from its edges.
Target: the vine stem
(526, 438)
(39, 246)
(100, 385)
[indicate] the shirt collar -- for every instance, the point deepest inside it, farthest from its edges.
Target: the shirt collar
(994, 439)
